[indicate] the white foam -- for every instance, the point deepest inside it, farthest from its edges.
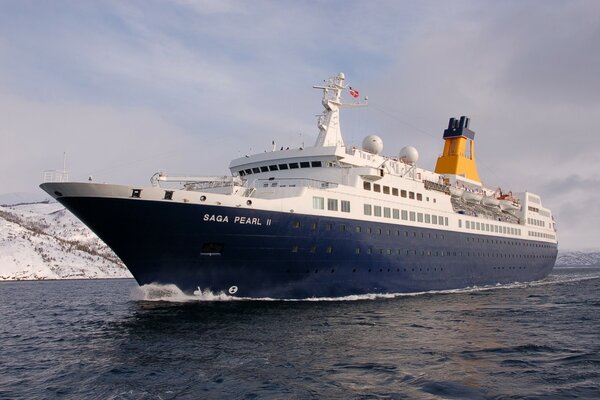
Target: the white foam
(171, 293)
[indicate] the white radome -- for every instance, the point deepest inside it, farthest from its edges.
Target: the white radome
(409, 155)
(373, 144)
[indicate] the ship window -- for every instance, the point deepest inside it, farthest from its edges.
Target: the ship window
(434, 219)
(264, 169)
(387, 212)
(367, 209)
(357, 251)
(318, 203)
(402, 193)
(420, 217)
(242, 173)
(367, 185)
(136, 193)
(446, 220)
(358, 229)
(342, 228)
(212, 249)
(295, 249)
(404, 215)
(427, 218)
(168, 195)
(273, 168)
(377, 211)
(345, 206)
(369, 250)
(283, 166)
(411, 195)
(293, 165)
(296, 224)
(305, 164)
(396, 213)
(412, 215)
(376, 187)
(328, 227)
(419, 197)
(256, 170)
(460, 223)
(395, 191)
(313, 248)
(248, 171)
(265, 185)
(316, 164)
(386, 190)
(328, 249)
(313, 226)
(332, 204)
(467, 224)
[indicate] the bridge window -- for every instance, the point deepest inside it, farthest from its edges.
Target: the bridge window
(345, 206)
(264, 169)
(248, 171)
(255, 170)
(242, 173)
(305, 164)
(318, 203)
(367, 185)
(316, 164)
(283, 166)
(273, 168)
(293, 165)
(332, 204)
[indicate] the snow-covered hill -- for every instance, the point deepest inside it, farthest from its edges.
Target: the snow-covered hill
(45, 241)
(578, 258)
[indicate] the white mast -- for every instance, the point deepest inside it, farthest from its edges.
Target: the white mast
(329, 121)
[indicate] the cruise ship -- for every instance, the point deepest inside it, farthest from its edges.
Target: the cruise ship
(329, 220)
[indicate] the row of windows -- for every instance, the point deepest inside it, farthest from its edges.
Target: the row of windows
(332, 204)
(485, 227)
(542, 235)
(536, 222)
(280, 167)
(405, 215)
(393, 191)
(434, 253)
(328, 226)
(372, 231)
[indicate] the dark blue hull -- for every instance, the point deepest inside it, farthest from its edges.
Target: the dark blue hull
(286, 255)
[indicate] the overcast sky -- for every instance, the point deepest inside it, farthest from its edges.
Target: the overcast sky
(128, 88)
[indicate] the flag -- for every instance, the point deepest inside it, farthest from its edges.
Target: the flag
(353, 92)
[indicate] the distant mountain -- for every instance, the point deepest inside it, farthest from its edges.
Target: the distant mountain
(9, 199)
(45, 241)
(578, 258)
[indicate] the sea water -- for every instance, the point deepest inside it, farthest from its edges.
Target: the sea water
(109, 339)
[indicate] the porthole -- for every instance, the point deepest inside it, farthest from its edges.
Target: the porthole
(202, 198)
(249, 202)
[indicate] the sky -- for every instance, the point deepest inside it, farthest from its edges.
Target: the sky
(129, 88)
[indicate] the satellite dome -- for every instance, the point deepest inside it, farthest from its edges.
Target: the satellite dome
(409, 155)
(373, 144)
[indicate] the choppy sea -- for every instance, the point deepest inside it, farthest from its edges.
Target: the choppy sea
(109, 339)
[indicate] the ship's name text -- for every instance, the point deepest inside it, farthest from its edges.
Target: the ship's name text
(235, 220)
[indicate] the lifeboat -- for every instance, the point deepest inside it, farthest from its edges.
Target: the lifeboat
(508, 203)
(456, 191)
(472, 197)
(490, 201)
